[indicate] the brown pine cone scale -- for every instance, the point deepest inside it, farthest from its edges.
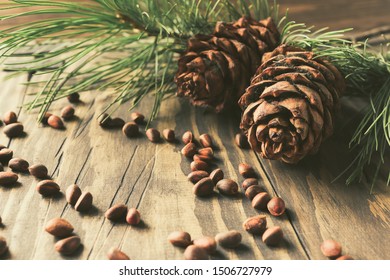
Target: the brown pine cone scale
(216, 69)
(290, 105)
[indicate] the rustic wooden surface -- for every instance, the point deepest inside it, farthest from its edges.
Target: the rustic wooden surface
(152, 177)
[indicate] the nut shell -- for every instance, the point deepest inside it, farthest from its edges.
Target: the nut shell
(8, 178)
(39, 171)
(84, 203)
(227, 187)
(331, 248)
(59, 227)
(230, 239)
(153, 135)
(180, 239)
(48, 188)
(133, 217)
(276, 206)
(193, 252)
(256, 225)
(273, 236)
(72, 194)
(114, 254)
(116, 213)
(68, 246)
(14, 130)
(18, 165)
(204, 187)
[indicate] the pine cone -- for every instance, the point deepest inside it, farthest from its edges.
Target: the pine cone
(216, 69)
(290, 105)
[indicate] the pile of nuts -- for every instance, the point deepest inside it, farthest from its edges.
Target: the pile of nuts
(204, 247)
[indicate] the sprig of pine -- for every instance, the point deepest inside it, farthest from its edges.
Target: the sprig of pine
(149, 34)
(368, 74)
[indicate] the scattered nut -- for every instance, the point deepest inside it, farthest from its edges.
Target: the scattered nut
(276, 206)
(217, 175)
(55, 122)
(68, 246)
(206, 152)
(59, 227)
(273, 236)
(3, 246)
(230, 239)
(67, 112)
(260, 201)
(189, 150)
(187, 137)
(74, 97)
(18, 165)
(169, 135)
(6, 155)
(180, 239)
(196, 176)
(13, 130)
(133, 217)
(116, 213)
(104, 120)
(8, 178)
(116, 123)
(242, 141)
(48, 188)
(207, 243)
(45, 118)
(130, 129)
(246, 170)
(72, 194)
(193, 252)
(199, 165)
(249, 182)
(331, 248)
(138, 118)
(256, 225)
(205, 140)
(114, 254)
(344, 258)
(227, 187)
(204, 187)
(153, 135)
(202, 158)
(84, 203)
(10, 117)
(39, 171)
(252, 191)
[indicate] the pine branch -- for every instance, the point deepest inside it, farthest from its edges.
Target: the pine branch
(367, 74)
(101, 28)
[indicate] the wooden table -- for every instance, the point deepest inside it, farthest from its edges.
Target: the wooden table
(152, 178)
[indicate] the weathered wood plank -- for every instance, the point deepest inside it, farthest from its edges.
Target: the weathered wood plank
(135, 172)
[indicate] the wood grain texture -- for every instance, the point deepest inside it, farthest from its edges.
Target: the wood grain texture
(152, 177)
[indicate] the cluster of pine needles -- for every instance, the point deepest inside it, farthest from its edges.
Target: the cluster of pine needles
(131, 47)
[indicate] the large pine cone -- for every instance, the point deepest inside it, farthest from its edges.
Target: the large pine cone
(216, 69)
(290, 104)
